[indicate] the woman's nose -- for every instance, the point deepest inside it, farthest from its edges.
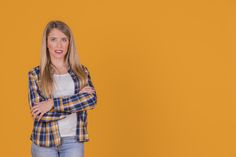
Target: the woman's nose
(59, 44)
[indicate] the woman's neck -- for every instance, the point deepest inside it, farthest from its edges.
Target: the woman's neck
(60, 66)
(59, 63)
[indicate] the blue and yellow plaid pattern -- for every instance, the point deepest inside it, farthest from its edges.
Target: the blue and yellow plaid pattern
(46, 131)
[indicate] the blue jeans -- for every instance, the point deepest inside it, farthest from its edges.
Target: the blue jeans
(69, 147)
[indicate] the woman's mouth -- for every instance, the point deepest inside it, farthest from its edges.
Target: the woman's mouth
(59, 51)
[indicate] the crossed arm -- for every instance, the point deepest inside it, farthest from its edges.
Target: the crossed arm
(61, 106)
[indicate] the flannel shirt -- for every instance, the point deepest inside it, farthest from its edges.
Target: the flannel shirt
(46, 130)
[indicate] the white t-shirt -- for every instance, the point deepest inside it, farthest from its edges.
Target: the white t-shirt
(64, 86)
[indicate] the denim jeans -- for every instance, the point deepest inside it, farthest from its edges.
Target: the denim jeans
(69, 147)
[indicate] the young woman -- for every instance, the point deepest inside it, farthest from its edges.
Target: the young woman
(60, 93)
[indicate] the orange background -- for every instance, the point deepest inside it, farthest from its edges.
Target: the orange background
(164, 72)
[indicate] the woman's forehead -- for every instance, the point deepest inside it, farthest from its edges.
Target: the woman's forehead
(56, 33)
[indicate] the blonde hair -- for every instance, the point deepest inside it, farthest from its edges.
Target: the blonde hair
(46, 69)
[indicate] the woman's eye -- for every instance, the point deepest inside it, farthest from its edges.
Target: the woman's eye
(53, 39)
(64, 40)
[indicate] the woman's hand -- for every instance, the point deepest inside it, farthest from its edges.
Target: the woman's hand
(87, 89)
(41, 108)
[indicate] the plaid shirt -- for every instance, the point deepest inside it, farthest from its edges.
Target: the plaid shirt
(46, 130)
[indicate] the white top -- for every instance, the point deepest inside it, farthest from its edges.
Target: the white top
(64, 86)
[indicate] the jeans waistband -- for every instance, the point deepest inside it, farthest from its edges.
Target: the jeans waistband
(69, 137)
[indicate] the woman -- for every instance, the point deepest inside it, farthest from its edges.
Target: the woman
(60, 93)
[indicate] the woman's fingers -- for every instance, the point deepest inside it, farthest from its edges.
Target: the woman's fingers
(41, 115)
(87, 91)
(33, 109)
(37, 110)
(35, 114)
(88, 88)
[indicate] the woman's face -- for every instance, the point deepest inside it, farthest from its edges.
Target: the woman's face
(57, 44)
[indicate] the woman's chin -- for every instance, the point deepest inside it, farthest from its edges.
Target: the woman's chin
(58, 56)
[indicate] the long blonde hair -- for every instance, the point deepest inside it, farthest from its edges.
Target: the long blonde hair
(46, 69)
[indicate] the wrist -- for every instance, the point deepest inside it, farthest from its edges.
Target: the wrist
(50, 101)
